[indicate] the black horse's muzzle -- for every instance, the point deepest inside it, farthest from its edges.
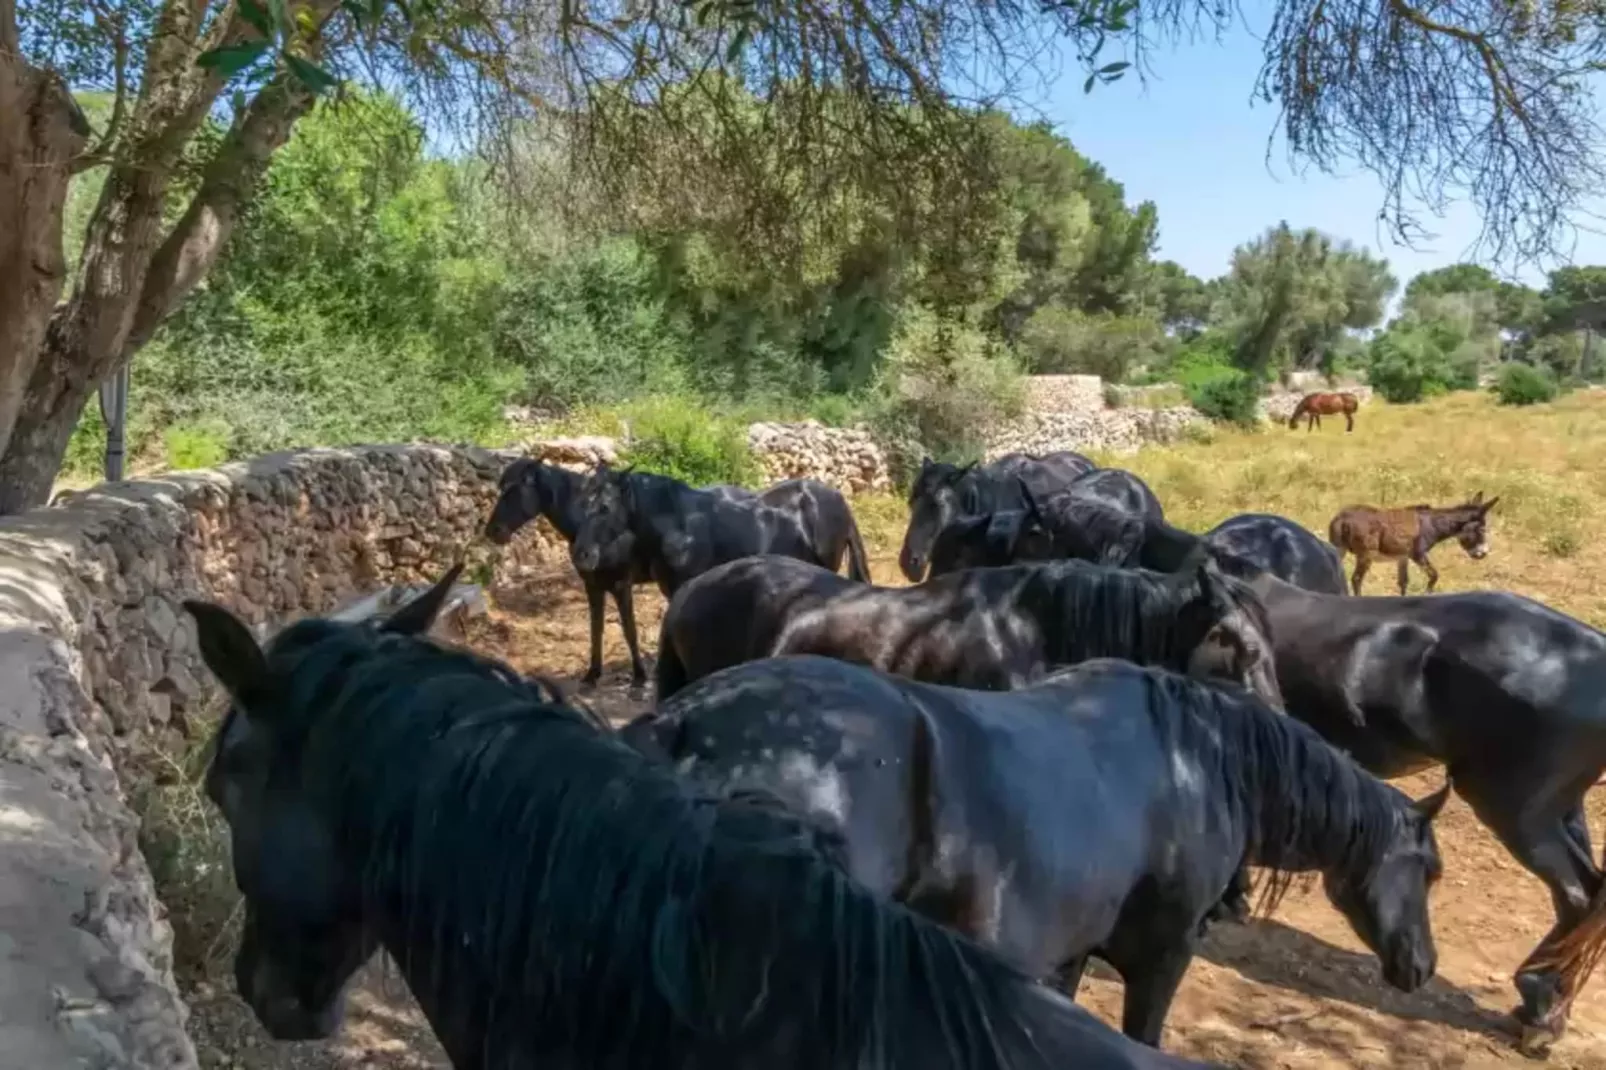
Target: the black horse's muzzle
(1410, 970)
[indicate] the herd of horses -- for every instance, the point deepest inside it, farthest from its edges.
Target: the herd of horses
(888, 826)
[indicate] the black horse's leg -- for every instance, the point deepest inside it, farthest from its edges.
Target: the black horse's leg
(624, 596)
(595, 592)
(1068, 978)
(1404, 575)
(1234, 903)
(1151, 985)
(1546, 841)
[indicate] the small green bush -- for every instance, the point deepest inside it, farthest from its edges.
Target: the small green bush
(677, 437)
(1524, 384)
(1230, 399)
(196, 445)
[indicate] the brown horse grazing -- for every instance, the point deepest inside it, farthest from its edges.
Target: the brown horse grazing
(1408, 534)
(1314, 406)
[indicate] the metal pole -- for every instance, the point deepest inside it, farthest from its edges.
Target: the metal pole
(114, 411)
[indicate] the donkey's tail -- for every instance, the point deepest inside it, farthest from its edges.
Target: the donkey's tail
(858, 560)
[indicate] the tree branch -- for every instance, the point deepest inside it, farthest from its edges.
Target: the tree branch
(10, 42)
(192, 248)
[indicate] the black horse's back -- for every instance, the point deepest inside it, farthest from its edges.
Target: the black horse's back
(555, 897)
(1283, 548)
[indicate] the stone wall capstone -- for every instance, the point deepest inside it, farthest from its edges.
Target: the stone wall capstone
(101, 672)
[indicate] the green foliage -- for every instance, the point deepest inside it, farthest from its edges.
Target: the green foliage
(680, 438)
(945, 386)
(197, 445)
(1204, 359)
(1230, 398)
(1058, 340)
(1291, 295)
(1524, 384)
(1562, 354)
(1405, 364)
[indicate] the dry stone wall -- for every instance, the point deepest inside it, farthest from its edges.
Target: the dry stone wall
(848, 459)
(99, 672)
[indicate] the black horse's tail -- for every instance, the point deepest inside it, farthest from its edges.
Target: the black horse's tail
(670, 671)
(858, 560)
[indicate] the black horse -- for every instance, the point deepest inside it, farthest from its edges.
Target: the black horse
(528, 489)
(1102, 811)
(943, 492)
(682, 532)
(1244, 545)
(1004, 537)
(992, 628)
(555, 898)
(1510, 696)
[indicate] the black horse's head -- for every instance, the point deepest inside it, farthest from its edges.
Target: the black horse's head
(1002, 537)
(525, 492)
(1388, 905)
(1472, 532)
(1232, 637)
(305, 932)
(935, 500)
(605, 539)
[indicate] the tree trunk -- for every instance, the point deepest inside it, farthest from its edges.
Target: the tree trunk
(39, 438)
(41, 131)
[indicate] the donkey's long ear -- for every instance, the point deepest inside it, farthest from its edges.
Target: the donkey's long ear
(418, 616)
(1430, 805)
(1490, 504)
(1477, 499)
(229, 649)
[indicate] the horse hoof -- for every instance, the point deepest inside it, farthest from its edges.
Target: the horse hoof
(637, 692)
(588, 683)
(1536, 1040)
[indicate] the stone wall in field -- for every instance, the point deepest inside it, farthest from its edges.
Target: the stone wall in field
(848, 459)
(99, 676)
(1071, 412)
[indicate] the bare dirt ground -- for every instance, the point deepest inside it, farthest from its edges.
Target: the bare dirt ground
(1295, 993)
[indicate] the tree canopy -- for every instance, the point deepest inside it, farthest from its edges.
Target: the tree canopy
(862, 147)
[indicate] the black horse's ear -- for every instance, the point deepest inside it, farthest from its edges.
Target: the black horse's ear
(418, 615)
(229, 649)
(1030, 499)
(1430, 805)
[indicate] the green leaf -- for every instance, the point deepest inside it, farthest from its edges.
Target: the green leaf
(1110, 70)
(230, 60)
(738, 43)
(257, 16)
(281, 16)
(311, 75)
(1087, 86)
(238, 100)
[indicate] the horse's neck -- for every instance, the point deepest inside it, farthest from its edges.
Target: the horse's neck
(561, 505)
(1165, 547)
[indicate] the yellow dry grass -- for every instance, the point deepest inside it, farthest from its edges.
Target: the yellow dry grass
(1547, 464)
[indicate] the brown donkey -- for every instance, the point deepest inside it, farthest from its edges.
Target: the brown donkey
(1314, 406)
(1408, 534)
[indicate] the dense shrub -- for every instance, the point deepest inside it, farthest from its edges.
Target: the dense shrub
(679, 438)
(1404, 365)
(1525, 384)
(944, 386)
(1058, 340)
(1228, 398)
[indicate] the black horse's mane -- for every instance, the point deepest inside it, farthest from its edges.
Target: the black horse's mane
(1103, 609)
(1289, 783)
(599, 900)
(1099, 524)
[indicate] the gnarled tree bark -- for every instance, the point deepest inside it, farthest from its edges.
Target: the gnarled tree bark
(41, 132)
(134, 276)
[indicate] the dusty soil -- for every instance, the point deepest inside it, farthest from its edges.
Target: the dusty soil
(1295, 993)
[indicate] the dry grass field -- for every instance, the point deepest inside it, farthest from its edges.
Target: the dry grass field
(1297, 992)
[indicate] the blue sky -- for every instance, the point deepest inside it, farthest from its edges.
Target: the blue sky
(1190, 141)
